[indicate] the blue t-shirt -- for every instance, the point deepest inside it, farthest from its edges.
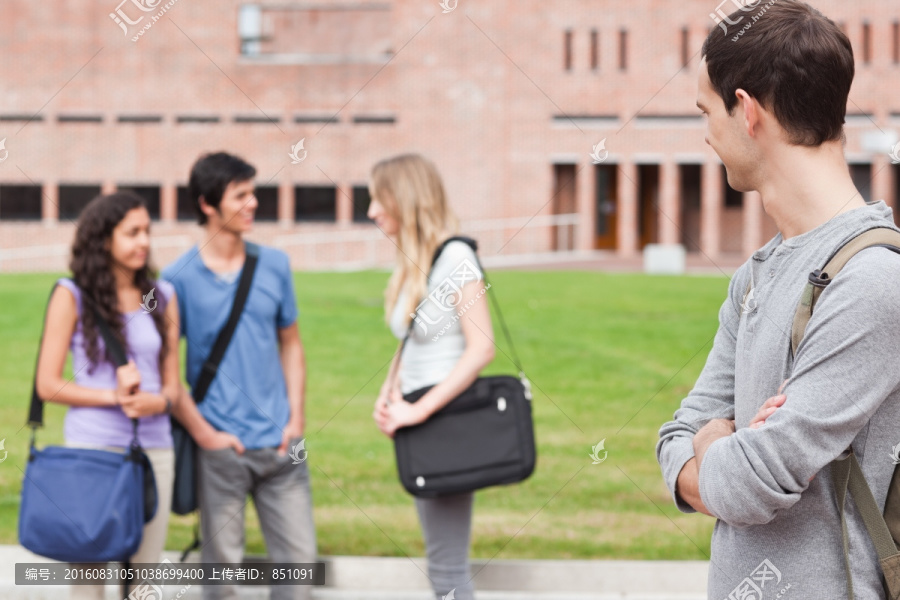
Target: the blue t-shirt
(247, 397)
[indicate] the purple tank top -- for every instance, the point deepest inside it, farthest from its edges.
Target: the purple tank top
(108, 426)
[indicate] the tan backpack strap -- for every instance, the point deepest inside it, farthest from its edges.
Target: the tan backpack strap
(819, 280)
(847, 476)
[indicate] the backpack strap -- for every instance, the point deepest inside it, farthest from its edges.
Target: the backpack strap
(846, 474)
(881, 237)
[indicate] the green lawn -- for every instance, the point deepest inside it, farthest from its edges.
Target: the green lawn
(610, 357)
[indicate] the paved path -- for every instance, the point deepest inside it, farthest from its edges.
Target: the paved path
(374, 578)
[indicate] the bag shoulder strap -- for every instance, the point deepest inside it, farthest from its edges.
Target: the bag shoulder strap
(474, 246)
(881, 237)
(115, 349)
(846, 474)
(211, 365)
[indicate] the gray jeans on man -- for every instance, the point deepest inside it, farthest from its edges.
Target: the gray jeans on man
(281, 495)
(446, 526)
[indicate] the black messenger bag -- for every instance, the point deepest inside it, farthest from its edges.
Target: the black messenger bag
(481, 438)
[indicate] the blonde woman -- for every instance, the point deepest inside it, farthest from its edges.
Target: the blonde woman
(408, 204)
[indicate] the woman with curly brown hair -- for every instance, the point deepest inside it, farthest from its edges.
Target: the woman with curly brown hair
(110, 270)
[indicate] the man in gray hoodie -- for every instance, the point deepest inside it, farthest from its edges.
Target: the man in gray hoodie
(738, 449)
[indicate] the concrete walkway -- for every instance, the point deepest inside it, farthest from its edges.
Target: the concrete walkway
(373, 578)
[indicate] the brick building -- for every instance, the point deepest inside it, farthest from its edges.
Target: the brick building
(508, 98)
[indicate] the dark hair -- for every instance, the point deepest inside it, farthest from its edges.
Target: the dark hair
(790, 57)
(211, 175)
(92, 269)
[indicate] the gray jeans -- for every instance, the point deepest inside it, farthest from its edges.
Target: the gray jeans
(281, 495)
(447, 525)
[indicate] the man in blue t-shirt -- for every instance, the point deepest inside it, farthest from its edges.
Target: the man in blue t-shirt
(257, 393)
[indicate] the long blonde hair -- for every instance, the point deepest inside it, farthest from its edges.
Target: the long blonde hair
(410, 189)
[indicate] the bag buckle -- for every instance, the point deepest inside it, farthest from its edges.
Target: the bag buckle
(525, 384)
(819, 278)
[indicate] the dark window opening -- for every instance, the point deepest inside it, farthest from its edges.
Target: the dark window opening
(375, 119)
(361, 201)
(567, 50)
(267, 203)
(197, 119)
(896, 50)
(733, 198)
(150, 195)
(140, 119)
(861, 175)
(623, 49)
(185, 210)
(866, 43)
(20, 202)
(595, 49)
(73, 199)
(315, 203)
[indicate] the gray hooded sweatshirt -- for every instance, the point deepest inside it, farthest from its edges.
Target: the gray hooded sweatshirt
(778, 534)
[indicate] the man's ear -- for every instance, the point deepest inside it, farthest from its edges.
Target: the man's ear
(749, 110)
(205, 208)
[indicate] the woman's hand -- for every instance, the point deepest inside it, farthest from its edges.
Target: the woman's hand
(142, 404)
(398, 413)
(128, 380)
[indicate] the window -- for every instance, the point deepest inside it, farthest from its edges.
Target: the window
(150, 195)
(315, 203)
(361, 201)
(73, 199)
(733, 198)
(267, 207)
(861, 174)
(685, 46)
(896, 52)
(250, 29)
(866, 42)
(623, 50)
(567, 50)
(595, 49)
(79, 118)
(139, 119)
(185, 210)
(20, 202)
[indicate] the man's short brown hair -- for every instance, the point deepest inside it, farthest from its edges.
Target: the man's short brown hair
(790, 58)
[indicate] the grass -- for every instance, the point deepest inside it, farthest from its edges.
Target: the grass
(610, 356)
